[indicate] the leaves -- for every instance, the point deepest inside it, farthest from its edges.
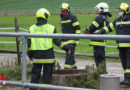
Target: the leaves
(93, 78)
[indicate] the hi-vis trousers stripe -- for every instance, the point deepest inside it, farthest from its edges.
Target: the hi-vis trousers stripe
(97, 43)
(124, 44)
(127, 71)
(43, 60)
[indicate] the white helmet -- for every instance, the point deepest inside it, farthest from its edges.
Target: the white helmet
(102, 7)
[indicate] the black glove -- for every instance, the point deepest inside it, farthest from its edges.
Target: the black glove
(86, 31)
(70, 47)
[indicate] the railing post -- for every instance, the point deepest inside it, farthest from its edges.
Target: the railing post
(109, 82)
(24, 61)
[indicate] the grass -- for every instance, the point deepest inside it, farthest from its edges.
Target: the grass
(53, 5)
(27, 21)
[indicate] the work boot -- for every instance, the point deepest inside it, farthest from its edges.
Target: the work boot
(66, 68)
(75, 67)
(125, 82)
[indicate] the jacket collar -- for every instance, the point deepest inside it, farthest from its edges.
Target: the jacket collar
(41, 21)
(127, 17)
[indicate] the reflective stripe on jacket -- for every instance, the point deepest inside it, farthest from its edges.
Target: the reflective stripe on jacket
(97, 43)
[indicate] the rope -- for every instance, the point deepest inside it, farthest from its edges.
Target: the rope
(106, 45)
(4, 42)
(23, 29)
(9, 28)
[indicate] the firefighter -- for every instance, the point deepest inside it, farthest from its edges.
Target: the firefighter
(100, 21)
(41, 49)
(69, 25)
(122, 27)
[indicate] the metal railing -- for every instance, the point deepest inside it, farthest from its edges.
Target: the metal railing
(46, 87)
(17, 28)
(24, 36)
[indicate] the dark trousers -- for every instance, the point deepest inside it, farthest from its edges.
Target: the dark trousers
(124, 54)
(99, 55)
(70, 59)
(47, 73)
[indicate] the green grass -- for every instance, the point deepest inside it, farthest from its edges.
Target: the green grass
(53, 5)
(27, 21)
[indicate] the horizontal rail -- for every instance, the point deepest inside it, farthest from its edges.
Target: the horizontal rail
(87, 55)
(9, 28)
(68, 36)
(46, 87)
(4, 42)
(59, 52)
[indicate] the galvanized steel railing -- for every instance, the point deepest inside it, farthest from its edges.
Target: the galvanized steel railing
(24, 36)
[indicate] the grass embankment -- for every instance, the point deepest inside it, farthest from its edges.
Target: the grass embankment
(54, 5)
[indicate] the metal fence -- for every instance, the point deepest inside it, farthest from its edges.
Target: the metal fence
(108, 54)
(24, 36)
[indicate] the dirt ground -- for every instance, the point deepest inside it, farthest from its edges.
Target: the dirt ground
(112, 67)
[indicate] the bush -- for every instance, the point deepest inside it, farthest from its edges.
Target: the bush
(93, 78)
(14, 73)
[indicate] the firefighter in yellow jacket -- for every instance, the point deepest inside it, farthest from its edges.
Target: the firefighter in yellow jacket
(41, 49)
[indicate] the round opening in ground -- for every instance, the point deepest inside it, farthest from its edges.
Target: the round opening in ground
(70, 72)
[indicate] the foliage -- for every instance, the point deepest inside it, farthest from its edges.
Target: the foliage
(93, 78)
(14, 73)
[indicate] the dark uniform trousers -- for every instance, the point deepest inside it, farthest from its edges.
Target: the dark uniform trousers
(99, 54)
(70, 60)
(124, 54)
(47, 73)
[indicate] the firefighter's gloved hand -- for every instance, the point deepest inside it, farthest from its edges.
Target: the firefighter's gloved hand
(69, 52)
(30, 58)
(67, 49)
(70, 48)
(77, 42)
(97, 32)
(86, 31)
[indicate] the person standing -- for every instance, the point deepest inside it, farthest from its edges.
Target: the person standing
(100, 21)
(122, 27)
(69, 25)
(41, 49)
